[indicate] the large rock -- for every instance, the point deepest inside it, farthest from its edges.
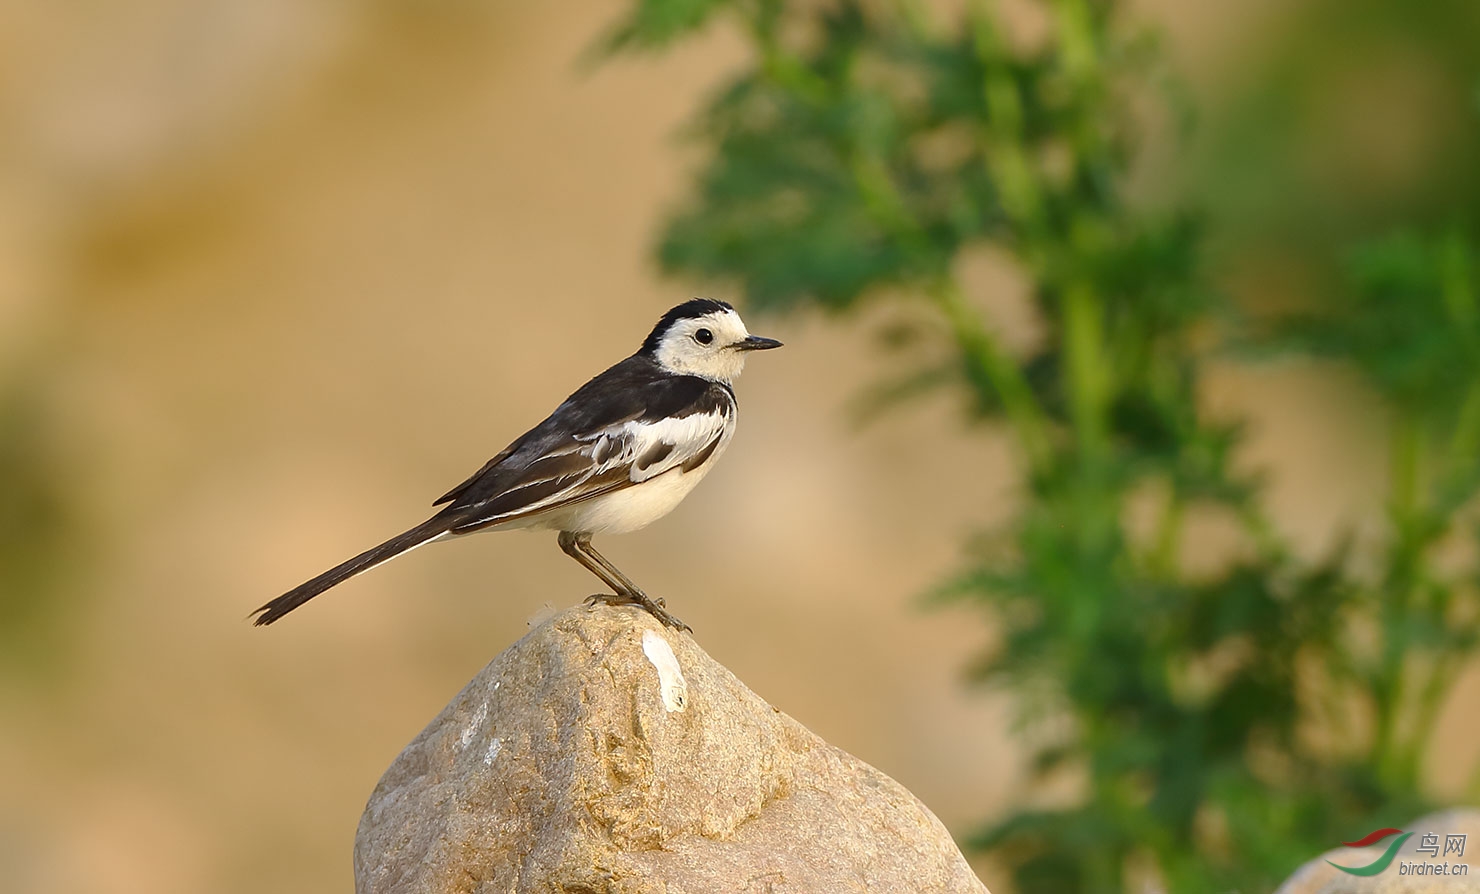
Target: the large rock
(1320, 877)
(605, 754)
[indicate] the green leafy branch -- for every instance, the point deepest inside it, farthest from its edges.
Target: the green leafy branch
(863, 151)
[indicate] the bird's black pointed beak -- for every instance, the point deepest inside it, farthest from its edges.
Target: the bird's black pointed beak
(757, 343)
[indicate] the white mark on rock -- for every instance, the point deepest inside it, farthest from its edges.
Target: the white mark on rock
(494, 748)
(670, 677)
(474, 725)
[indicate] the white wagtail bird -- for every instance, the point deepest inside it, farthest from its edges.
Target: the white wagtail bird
(616, 456)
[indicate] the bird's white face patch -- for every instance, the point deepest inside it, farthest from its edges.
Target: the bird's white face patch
(705, 346)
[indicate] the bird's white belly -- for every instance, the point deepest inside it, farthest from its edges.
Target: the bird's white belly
(630, 508)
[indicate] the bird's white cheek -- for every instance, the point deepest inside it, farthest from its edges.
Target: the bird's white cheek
(737, 364)
(728, 364)
(721, 365)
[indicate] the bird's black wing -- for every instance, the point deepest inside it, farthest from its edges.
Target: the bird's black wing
(627, 425)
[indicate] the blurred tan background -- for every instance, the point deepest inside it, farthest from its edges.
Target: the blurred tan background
(274, 275)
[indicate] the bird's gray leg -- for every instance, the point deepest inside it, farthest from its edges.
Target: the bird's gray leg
(570, 545)
(627, 586)
(578, 547)
(627, 589)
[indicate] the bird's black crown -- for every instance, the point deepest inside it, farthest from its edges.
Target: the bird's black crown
(695, 307)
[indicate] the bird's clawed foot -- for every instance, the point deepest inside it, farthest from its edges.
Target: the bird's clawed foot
(652, 606)
(610, 599)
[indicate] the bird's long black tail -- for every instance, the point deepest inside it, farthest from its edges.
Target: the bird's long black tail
(342, 572)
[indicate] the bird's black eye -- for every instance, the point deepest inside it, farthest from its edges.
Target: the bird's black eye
(703, 336)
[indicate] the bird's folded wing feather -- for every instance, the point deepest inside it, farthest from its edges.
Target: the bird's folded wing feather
(590, 464)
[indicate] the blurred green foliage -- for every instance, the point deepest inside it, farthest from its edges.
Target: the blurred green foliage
(39, 533)
(1348, 118)
(1410, 323)
(1205, 716)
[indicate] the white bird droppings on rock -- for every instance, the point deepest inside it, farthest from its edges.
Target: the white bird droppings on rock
(494, 748)
(674, 688)
(474, 725)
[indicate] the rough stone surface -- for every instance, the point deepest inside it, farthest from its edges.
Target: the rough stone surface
(1320, 877)
(605, 754)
